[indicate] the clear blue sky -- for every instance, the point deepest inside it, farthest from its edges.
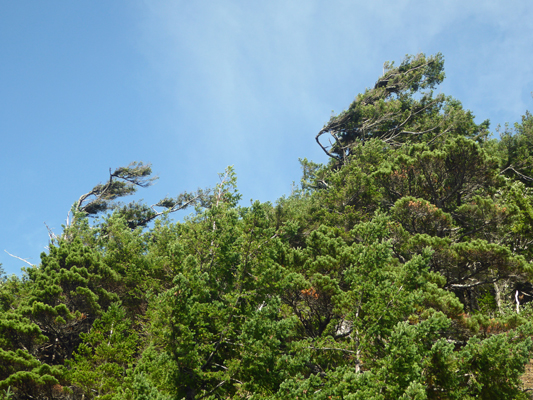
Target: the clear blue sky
(195, 86)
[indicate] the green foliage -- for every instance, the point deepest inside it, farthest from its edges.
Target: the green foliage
(225, 275)
(122, 182)
(6, 394)
(401, 108)
(400, 270)
(101, 361)
(516, 146)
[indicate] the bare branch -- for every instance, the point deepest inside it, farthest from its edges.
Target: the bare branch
(333, 349)
(175, 208)
(51, 234)
(212, 391)
(324, 130)
(21, 259)
(520, 175)
(471, 285)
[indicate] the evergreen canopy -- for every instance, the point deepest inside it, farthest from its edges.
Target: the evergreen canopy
(401, 269)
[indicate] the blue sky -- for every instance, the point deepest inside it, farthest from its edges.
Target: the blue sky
(193, 87)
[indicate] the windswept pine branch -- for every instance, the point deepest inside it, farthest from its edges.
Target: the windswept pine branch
(124, 181)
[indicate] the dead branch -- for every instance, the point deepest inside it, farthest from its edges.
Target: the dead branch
(21, 259)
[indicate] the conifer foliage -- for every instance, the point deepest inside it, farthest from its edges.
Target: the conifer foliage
(401, 269)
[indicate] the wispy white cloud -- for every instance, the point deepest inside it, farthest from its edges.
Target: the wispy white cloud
(222, 82)
(253, 82)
